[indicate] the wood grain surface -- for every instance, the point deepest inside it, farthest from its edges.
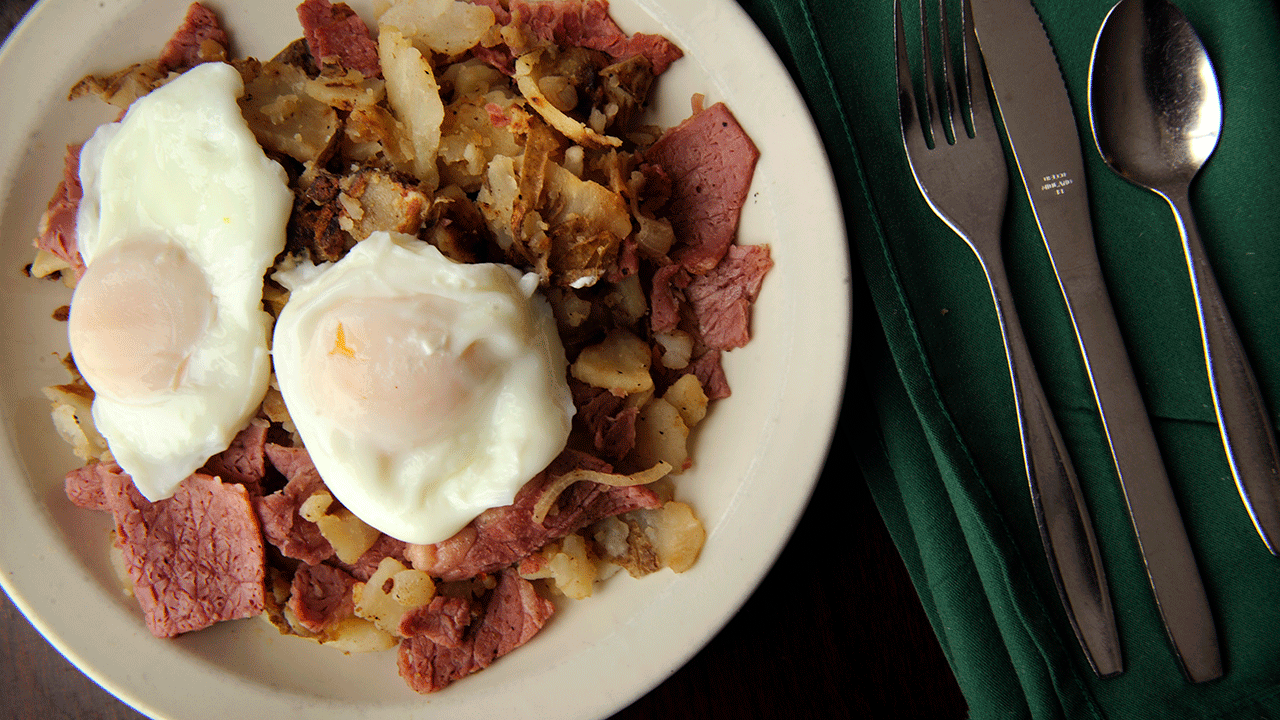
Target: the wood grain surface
(834, 631)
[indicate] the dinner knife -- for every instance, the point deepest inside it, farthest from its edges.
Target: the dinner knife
(1032, 98)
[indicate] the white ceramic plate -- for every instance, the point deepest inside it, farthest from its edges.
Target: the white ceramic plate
(757, 455)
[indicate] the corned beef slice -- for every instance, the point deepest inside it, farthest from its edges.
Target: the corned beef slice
(444, 621)
(200, 38)
(608, 420)
(320, 595)
(295, 536)
(86, 486)
(58, 224)
(244, 461)
(335, 31)
(722, 299)
(710, 161)
(501, 536)
(664, 305)
(195, 558)
(511, 616)
(573, 23)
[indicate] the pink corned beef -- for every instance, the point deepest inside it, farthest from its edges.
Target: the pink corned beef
(710, 161)
(58, 224)
(609, 422)
(722, 299)
(245, 460)
(242, 463)
(196, 558)
(711, 374)
(502, 536)
(85, 486)
(187, 48)
(664, 305)
(444, 621)
(574, 23)
(335, 32)
(510, 617)
(320, 595)
(292, 534)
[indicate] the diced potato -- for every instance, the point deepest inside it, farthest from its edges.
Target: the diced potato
(677, 349)
(497, 198)
(569, 566)
(470, 140)
(74, 420)
(46, 264)
(374, 200)
(373, 131)
(355, 635)
(349, 635)
(415, 97)
(619, 363)
(347, 92)
(443, 26)
(587, 222)
(661, 436)
(412, 588)
(284, 117)
(677, 535)
(687, 396)
(570, 310)
(348, 534)
(645, 541)
(391, 592)
(627, 300)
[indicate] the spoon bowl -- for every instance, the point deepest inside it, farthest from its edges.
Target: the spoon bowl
(1154, 101)
(1156, 113)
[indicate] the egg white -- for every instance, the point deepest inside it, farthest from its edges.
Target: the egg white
(425, 390)
(180, 176)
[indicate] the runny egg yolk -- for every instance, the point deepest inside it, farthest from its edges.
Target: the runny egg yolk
(137, 315)
(388, 370)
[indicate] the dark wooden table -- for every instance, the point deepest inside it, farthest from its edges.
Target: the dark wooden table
(834, 631)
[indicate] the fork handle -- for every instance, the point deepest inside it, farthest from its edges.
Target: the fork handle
(1066, 529)
(1243, 422)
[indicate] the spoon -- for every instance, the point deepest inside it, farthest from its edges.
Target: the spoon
(1156, 114)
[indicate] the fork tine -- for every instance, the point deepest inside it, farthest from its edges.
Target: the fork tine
(932, 106)
(975, 81)
(952, 111)
(908, 111)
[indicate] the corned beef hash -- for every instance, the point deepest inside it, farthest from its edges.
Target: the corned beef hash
(397, 336)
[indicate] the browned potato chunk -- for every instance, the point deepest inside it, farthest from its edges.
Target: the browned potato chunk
(284, 117)
(348, 534)
(619, 363)
(661, 436)
(688, 398)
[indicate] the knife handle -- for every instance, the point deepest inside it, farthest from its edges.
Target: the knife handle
(1247, 434)
(1066, 529)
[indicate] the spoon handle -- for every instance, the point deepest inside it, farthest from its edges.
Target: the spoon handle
(1066, 528)
(1247, 434)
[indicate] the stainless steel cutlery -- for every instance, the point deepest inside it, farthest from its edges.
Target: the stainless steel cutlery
(1156, 134)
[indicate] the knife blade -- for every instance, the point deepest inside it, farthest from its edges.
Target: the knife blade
(1031, 95)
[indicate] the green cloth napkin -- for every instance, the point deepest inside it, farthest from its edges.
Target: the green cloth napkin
(939, 442)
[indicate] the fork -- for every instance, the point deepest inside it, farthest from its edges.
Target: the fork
(965, 181)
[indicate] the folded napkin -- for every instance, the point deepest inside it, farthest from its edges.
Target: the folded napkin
(940, 448)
